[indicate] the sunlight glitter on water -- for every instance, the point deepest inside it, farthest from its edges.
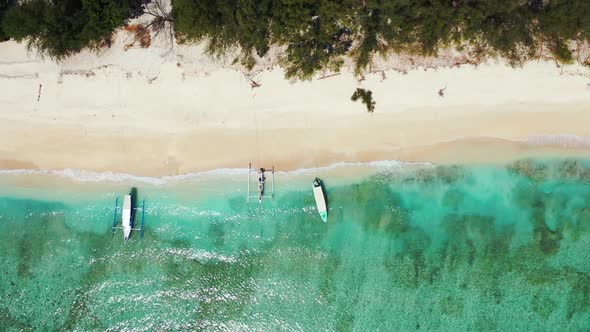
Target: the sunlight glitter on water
(445, 247)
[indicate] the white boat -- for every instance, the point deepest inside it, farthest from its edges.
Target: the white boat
(126, 217)
(261, 181)
(320, 199)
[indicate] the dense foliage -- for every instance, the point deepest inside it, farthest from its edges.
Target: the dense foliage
(61, 28)
(317, 33)
(4, 5)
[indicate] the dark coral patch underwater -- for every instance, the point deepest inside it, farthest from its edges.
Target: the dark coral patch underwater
(438, 248)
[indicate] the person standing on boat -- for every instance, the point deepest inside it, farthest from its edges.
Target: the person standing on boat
(261, 175)
(260, 183)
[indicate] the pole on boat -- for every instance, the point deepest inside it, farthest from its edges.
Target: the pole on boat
(248, 193)
(142, 218)
(115, 214)
(273, 182)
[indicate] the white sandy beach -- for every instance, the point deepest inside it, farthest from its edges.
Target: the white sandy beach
(165, 111)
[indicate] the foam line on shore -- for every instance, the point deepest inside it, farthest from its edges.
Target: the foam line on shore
(562, 140)
(90, 176)
(539, 140)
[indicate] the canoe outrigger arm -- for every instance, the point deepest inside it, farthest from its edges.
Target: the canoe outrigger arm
(127, 217)
(261, 182)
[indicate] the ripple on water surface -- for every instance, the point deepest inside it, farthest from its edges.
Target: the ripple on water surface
(433, 247)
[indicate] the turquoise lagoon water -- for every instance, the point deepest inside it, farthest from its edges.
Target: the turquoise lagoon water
(406, 247)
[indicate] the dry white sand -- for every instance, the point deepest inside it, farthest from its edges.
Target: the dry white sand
(165, 111)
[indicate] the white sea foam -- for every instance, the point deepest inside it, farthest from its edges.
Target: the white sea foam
(564, 141)
(90, 176)
(542, 140)
(372, 164)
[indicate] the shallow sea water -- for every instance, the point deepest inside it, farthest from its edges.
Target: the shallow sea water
(451, 248)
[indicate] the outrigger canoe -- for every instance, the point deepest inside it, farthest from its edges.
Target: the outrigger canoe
(320, 199)
(128, 215)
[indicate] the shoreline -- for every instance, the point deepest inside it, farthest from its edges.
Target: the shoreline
(462, 152)
(72, 185)
(290, 142)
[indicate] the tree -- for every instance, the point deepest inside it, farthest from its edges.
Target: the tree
(62, 28)
(4, 6)
(161, 19)
(315, 35)
(366, 97)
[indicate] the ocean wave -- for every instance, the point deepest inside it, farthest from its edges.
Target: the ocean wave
(563, 140)
(90, 176)
(371, 164)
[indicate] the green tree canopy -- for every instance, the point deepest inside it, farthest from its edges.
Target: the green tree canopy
(62, 28)
(316, 34)
(4, 5)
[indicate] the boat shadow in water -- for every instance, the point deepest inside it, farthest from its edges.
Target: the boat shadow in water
(133, 194)
(326, 198)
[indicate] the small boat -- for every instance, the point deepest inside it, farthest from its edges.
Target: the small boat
(126, 220)
(261, 183)
(320, 199)
(261, 179)
(128, 215)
